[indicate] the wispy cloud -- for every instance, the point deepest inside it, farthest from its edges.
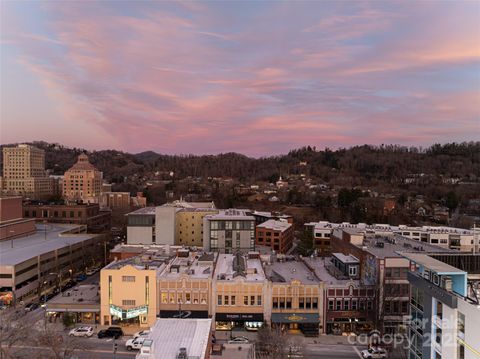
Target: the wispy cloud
(197, 77)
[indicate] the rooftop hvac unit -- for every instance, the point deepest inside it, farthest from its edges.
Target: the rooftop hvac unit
(182, 353)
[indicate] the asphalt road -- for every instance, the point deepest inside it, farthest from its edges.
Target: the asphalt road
(314, 351)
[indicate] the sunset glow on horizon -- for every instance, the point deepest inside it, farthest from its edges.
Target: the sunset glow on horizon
(258, 78)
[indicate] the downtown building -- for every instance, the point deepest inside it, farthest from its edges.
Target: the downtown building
(229, 231)
(446, 237)
(82, 182)
(37, 260)
(24, 173)
(444, 306)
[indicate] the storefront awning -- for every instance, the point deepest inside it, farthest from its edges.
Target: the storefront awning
(295, 318)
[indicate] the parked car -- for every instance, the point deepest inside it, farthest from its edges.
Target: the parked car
(135, 343)
(80, 277)
(91, 271)
(374, 353)
(239, 340)
(81, 332)
(31, 307)
(110, 332)
(142, 333)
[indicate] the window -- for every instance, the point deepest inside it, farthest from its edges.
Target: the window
(259, 300)
(461, 325)
(245, 300)
(370, 305)
(129, 302)
(339, 304)
(289, 303)
(128, 278)
(252, 300)
(301, 303)
(352, 271)
(275, 302)
(164, 298)
(282, 303)
(219, 300)
(346, 305)
(308, 303)
(330, 304)
(439, 310)
(225, 300)
(354, 304)
(232, 300)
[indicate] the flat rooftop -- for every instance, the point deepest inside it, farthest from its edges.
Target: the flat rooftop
(25, 248)
(169, 335)
(346, 259)
(433, 264)
(196, 265)
(285, 272)
(318, 265)
(393, 245)
(232, 214)
(140, 263)
(275, 225)
(143, 211)
(224, 269)
(83, 294)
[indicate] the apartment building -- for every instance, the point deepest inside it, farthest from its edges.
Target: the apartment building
(189, 226)
(24, 172)
(261, 217)
(90, 215)
(176, 223)
(382, 267)
(228, 231)
(276, 234)
(128, 291)
(239, 292)
(82, 182)
(445, 309)
(185, 285)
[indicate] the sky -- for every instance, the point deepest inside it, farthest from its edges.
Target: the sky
(258, 78)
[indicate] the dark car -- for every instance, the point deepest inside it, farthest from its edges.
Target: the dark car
(31, 307)
(111, 332)
(80, 277)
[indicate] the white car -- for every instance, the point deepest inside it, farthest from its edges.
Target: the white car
(142, 333)
(374, 353)
(91, 271)
(134, 343)
(239, 340)
(81, 332)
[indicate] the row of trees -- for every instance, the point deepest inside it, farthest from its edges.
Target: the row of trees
(20, 339)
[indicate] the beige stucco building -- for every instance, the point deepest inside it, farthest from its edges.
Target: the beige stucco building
(24, 172)
(185, 285)
(189, 226)
(82, 182)
(128, 292)
(240, 290)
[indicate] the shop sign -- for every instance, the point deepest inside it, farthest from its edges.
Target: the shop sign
(295, 318)
(233, 317)
(135, 312)
(116, 311)
(196, 314)
(128, 313)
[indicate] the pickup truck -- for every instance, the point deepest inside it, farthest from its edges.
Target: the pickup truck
(134, 343)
